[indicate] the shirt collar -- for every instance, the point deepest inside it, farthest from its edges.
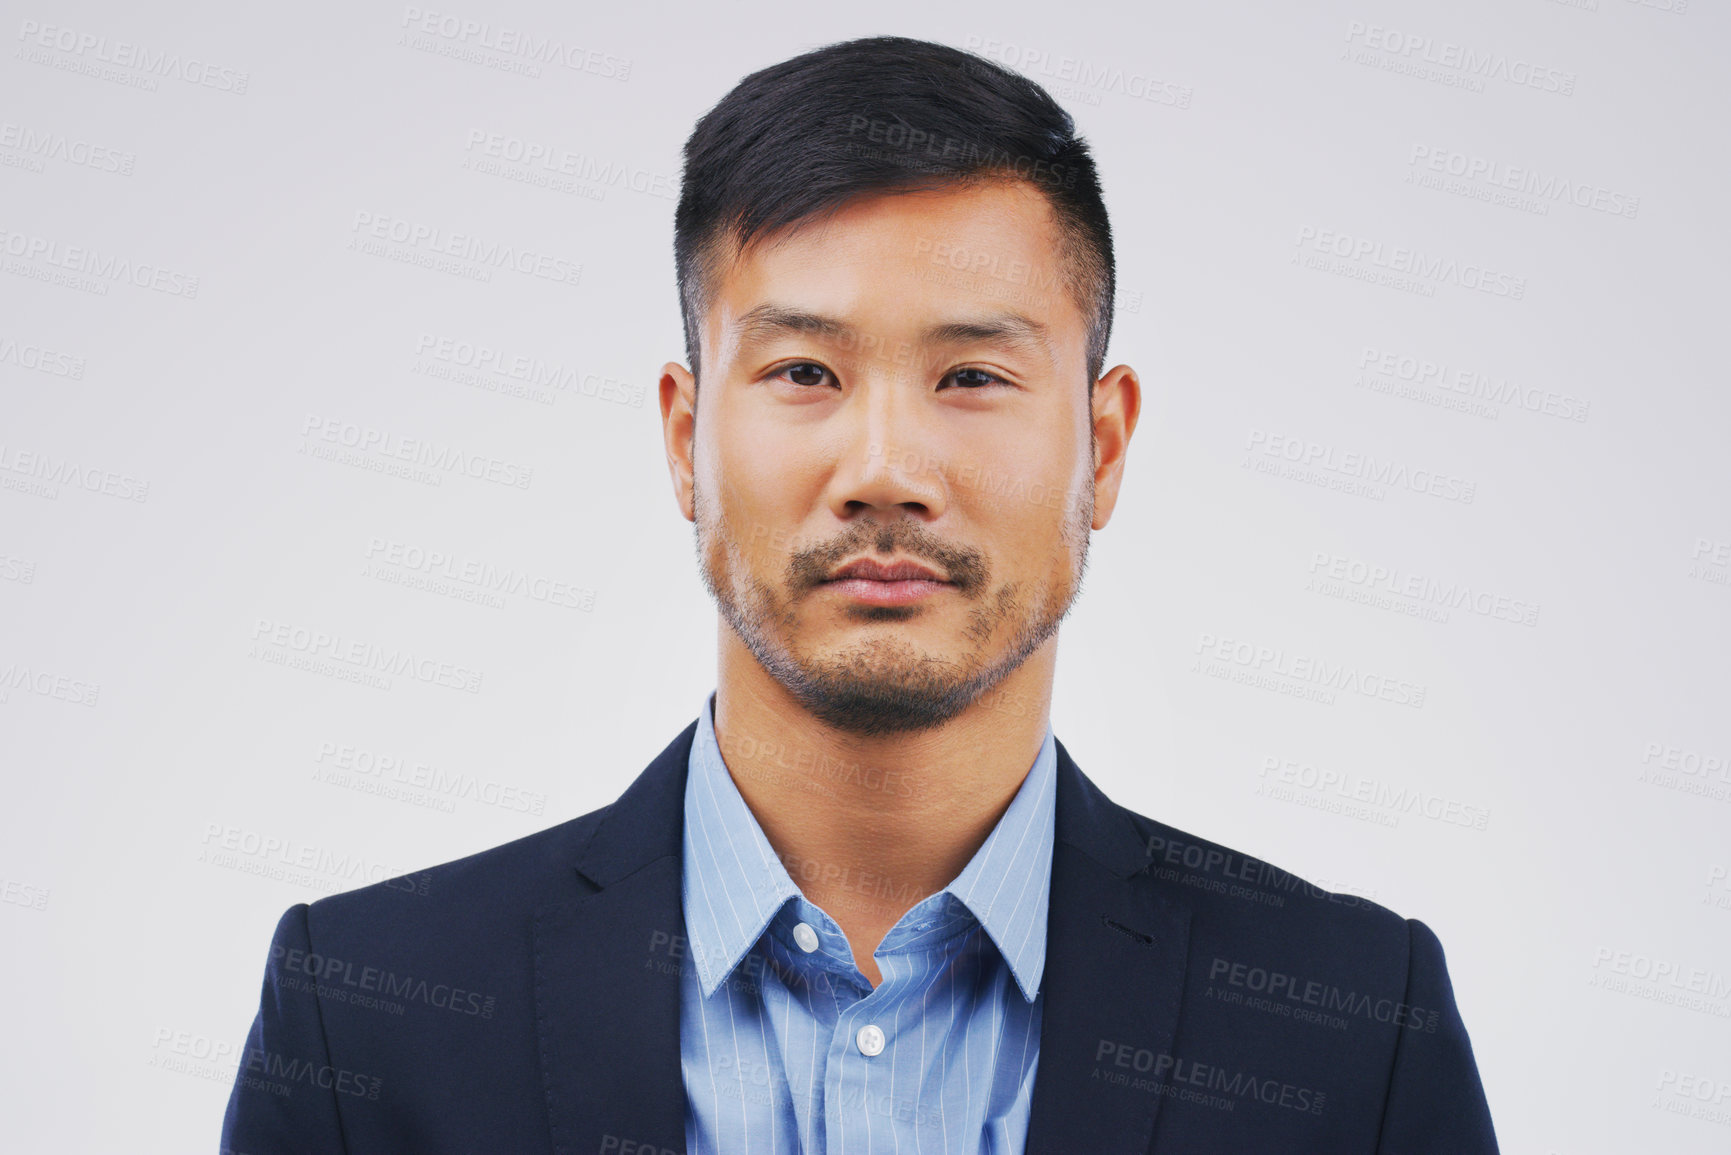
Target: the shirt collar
(734, 885)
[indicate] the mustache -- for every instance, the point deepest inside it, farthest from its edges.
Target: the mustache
(965, 567)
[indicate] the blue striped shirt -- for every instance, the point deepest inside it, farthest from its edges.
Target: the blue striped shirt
(784, 1044)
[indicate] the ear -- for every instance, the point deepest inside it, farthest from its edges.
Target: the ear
(678, 423)
(1117, 406)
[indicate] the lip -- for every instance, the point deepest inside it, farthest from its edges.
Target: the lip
(875, 583)
(901, 570)
(876, 593)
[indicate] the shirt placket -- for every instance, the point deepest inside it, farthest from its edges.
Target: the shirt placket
(846, 1005)
(859, 1074)
(861, 1052)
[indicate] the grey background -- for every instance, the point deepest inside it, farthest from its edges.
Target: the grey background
(1556, 807)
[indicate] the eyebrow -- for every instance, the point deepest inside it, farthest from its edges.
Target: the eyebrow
(1011, 329)
(768, 321)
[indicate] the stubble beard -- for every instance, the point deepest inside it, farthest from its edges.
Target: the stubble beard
(885, 685)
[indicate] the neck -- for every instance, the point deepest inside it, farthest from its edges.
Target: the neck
(869, 826)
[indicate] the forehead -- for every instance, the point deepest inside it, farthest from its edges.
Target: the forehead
(893, 263)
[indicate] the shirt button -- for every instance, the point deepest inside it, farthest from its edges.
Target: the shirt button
(805, 937)
(870, 1040)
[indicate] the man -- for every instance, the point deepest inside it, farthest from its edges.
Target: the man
(866, 901)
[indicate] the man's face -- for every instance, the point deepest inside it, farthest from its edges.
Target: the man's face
(903, 382)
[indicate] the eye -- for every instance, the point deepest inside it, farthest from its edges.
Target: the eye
(971, 379)
(802, 373)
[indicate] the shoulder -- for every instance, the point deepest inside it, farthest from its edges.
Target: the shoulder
(1254, 911)
(491, 892)
(483, 904)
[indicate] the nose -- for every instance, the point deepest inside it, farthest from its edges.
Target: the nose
(890, 452)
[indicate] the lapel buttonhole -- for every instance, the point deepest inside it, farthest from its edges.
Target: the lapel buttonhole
(1145, 940)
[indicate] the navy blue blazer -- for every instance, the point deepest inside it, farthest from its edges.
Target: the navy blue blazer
(526, 999)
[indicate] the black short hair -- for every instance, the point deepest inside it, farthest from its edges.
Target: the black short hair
(882, 114)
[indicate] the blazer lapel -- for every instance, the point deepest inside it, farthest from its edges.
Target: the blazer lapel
(1114, 979)
(607, 975)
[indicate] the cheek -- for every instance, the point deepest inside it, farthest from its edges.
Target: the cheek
(762, 500)
(764, 496)
(1023, 500)
(772, 463)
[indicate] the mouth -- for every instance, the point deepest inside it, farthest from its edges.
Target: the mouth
(876, 583)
